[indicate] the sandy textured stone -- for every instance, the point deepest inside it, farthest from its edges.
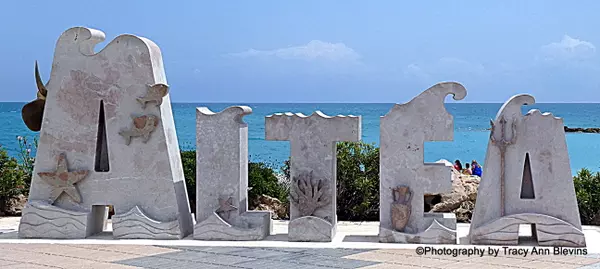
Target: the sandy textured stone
(312, 163)
(222, 178)
(546, 198)
(145, 175)
(404, 129)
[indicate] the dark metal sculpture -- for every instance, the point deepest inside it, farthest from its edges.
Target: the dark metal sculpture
(33, 112)
(502, 144)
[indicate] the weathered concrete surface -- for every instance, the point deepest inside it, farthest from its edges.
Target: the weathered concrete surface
(313, 164)
(404, 129)
(147, 175)
(222, 178)
(532, 185)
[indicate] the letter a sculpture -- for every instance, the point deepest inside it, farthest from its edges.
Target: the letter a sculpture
(526, 180)
(405, 179)
(107, 138)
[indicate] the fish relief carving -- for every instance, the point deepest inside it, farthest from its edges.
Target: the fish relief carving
(142, 126)
(401, 207)
(154, 94)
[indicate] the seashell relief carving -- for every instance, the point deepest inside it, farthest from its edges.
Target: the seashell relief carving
(309, 194)
(401, 207)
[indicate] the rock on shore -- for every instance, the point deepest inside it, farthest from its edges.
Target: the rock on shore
(460, 201)
(277, 208)
(14, 206)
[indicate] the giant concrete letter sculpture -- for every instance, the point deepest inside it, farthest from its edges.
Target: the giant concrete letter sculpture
(222, 178)
(107, 138)
(404, 178)
(313, 168)
(526, 180)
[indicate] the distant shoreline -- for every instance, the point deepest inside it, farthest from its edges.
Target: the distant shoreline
(582, 130)
(568, 129)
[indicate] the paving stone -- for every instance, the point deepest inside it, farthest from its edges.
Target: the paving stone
(544, 265)
(336, 252)
(268, 264)
(333, 262)
(257, 253)
(140, 250)
(146, 262)
(390, 266)
(203, 257)
(29, 266)
(289, 256)
(591, 266)
(186, 255)
(6, 263)
(295, 250)
(207, 249)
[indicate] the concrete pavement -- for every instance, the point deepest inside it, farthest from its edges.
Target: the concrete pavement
(355, 246)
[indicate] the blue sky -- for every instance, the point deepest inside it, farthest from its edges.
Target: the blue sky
(329, 51)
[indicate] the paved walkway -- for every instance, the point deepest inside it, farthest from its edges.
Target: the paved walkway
(355, 246)
(33, 256)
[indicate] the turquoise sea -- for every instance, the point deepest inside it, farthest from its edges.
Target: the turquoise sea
(470, 122)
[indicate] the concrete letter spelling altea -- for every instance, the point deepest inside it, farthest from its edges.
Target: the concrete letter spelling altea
(404, 178)
(101, 144)
(526, 180)
(222, 178)
(313, 168)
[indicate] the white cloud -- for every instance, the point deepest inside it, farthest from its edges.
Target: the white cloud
(446, 66)
(568, 49)
(313, 50)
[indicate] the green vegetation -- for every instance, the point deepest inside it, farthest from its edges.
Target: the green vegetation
(261, 180)
(357, 181)
(587, 188)
(15, 176)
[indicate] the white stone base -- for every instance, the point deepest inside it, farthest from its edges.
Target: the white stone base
(435, 234)
(310, 229)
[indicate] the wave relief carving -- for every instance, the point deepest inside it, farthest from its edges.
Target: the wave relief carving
(136, 225)
(42, 220)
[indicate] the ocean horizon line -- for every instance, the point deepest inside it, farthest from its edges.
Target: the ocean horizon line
(336, 103)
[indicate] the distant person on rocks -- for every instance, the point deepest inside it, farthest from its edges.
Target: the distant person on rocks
(458, 165)
(467, 170)
(475, 168)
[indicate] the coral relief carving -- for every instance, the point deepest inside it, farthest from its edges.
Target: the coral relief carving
(309, 194)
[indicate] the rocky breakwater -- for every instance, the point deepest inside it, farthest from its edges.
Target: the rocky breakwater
(582, 130)
(461, 201)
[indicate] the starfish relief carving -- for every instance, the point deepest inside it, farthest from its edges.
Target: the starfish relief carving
(63, 181)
